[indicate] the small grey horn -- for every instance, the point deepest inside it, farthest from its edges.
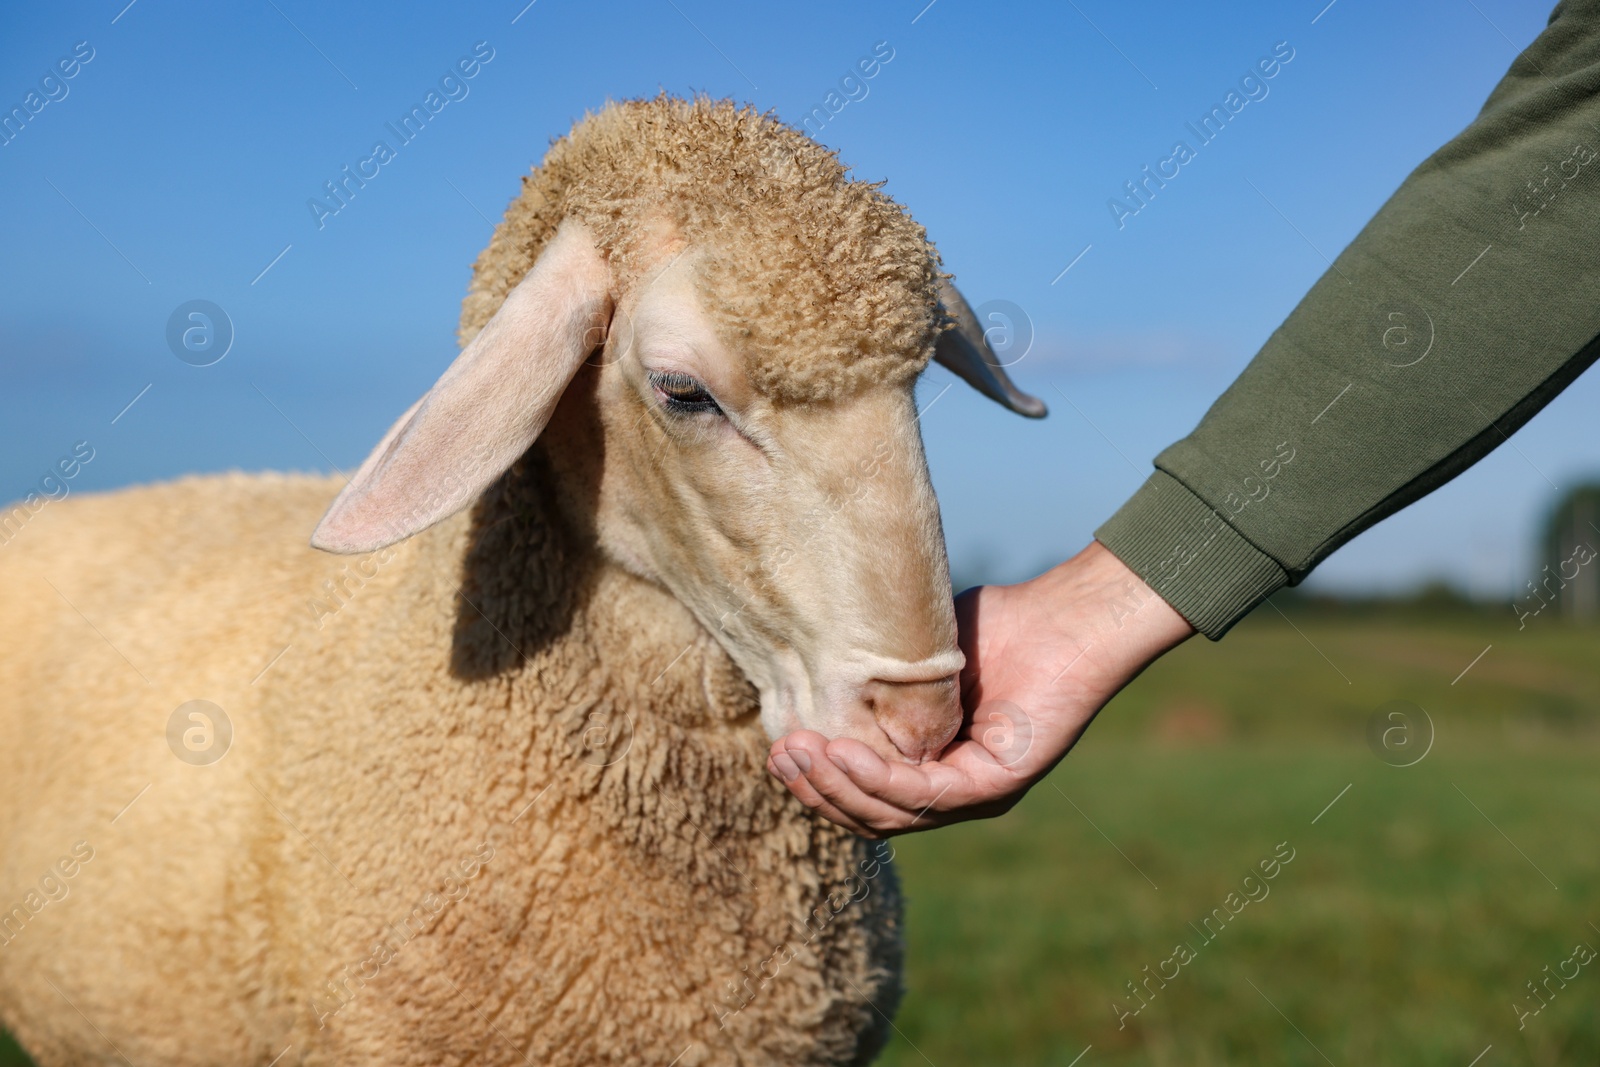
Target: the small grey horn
(966, 352)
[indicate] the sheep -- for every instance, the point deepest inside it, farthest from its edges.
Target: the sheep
(494, 790)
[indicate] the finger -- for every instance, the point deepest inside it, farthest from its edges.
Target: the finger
(899, 785)
(937, 792)
(784, 766)
(810, 752)
(805, 794)
(967, 636)
(933, 794)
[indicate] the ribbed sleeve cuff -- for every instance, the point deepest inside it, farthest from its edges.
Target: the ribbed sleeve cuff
(1187, 553)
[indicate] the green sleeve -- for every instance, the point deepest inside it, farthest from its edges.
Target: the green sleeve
(1467, 303)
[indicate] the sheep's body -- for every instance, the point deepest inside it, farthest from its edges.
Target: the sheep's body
(623, 907)
(491, 797)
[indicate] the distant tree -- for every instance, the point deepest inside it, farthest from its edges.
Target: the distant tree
(1571, 543)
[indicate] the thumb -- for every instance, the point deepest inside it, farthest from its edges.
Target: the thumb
(967, 615)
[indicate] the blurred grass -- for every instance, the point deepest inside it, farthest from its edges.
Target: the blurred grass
(1402, 932)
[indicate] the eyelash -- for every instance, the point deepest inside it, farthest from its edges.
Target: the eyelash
(681, 394)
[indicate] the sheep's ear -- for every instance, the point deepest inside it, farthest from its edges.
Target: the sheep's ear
(966, 352)
(486, 409)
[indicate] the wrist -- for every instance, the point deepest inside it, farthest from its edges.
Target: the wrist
(1129, 623)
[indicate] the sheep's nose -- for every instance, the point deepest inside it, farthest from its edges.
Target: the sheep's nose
(919, 718)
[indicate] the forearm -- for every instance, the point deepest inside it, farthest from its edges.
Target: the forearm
(1459, 311)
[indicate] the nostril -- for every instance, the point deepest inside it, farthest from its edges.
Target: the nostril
(919, 718)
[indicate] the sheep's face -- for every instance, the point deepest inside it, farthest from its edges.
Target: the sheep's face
(801, 530)
(804, 536)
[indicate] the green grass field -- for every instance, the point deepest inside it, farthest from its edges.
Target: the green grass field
(1403, 930)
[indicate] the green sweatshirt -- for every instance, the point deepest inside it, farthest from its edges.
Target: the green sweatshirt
(1468, 302)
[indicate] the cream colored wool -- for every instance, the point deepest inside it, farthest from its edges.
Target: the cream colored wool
(836, 283)
(435, 736)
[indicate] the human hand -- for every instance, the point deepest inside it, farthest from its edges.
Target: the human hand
(1042, 658)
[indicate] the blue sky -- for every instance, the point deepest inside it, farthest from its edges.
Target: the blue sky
(179, 164)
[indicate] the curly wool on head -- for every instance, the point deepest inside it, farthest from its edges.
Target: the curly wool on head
(824, 283)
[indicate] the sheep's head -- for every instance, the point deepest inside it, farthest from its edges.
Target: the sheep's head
(747, 326)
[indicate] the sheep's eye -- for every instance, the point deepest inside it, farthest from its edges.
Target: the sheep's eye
(681, 394)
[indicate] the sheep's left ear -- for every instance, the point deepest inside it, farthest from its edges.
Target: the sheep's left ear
(487, 408)
(966, 351)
